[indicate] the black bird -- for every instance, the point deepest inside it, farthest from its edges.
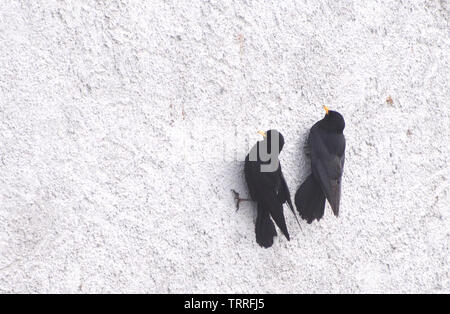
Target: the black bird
(267, 187)
(326, 146)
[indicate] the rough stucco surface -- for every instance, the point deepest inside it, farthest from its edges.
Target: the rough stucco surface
(123, 125)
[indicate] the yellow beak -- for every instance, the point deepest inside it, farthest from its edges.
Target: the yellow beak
(262, 133)
(326, 109)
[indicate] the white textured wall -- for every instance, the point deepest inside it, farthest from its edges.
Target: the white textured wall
(121, 123)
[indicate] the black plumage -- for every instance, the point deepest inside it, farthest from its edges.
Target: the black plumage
(267, 187)
(326, 146)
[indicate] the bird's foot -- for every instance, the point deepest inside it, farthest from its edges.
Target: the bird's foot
(238, 199)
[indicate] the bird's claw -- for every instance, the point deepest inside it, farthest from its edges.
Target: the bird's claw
(237, 198)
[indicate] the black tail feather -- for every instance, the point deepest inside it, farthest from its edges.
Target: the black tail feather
(264, 228)
(310, 200)
(278, 216)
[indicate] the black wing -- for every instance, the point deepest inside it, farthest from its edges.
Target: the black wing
(285, 196)
(263, 188)
(327, 160)
(250, 177)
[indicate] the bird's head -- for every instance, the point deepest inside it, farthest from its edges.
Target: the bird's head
(274, 139)
(333, 121)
